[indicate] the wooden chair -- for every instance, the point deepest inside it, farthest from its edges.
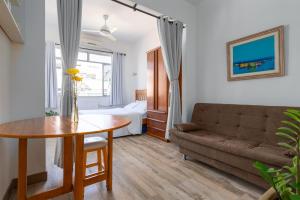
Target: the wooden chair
(98, 145)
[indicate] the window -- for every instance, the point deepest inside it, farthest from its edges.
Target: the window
(95, 68)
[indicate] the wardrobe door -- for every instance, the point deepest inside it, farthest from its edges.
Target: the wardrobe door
(162, 84)
(150, 80)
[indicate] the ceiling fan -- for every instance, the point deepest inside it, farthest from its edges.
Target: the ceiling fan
(104, 31)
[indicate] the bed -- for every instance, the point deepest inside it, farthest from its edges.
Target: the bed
(135, 111)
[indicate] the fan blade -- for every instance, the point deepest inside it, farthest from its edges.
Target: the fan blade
(90, 31)
(111, 37)
(103, 34)
(108, 36)
(113, 29)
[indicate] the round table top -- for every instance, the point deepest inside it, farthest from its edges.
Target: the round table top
(60, 126)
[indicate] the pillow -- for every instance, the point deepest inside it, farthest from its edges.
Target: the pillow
(141, 102)
(187, 127)
(131, 105)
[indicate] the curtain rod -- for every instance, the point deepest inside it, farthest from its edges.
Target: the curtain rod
(111, 52)
(134, 7)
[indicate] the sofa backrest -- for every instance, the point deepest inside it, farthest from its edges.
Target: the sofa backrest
(256, 123)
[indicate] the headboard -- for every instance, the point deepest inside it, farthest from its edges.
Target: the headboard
(141, 95)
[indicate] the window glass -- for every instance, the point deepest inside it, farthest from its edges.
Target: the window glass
(58, 63)
(57, 53)
(100, 58)
(106, 79)
(92, 76)
(82, 56)
(95, 70)
(59, 74)
(59, 79)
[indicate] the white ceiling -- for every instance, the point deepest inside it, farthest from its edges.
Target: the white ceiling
(131, 25)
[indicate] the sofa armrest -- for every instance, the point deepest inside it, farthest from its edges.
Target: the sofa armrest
(187, 127)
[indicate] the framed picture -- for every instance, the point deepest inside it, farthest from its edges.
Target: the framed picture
(256, 56)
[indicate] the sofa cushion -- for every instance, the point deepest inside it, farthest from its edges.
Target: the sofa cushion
(289, 153)
(252, 150)
(236, 146)
(221, 142)
(187, 127)
(268, 154)
(247, 122)
(201, 137)
(243, 163)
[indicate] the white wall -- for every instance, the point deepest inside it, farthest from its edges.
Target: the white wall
(6, 145)
(22, 88)
(5, 69)
(223, 21)
(28, 75)
(144, 44)
(185, 12)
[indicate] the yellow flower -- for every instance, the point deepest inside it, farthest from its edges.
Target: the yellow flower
(72, 71)
(77, 78)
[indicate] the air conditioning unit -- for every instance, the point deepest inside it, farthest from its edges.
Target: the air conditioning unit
(91, 40)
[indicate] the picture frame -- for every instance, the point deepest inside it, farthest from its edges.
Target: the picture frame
(260, 55)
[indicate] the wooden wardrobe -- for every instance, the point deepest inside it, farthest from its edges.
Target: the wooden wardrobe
(157, 94)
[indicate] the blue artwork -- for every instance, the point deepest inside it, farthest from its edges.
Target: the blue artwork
(254, 56)
(259, 55)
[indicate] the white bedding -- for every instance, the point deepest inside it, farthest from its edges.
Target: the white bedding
(135, 112)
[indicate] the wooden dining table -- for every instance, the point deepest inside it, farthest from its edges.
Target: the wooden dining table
(63, 127)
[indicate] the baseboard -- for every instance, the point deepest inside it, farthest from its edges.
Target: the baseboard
(31, 179)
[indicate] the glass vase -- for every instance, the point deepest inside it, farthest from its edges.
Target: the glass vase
(75, 116)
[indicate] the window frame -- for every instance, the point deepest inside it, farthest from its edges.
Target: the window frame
(103, 64)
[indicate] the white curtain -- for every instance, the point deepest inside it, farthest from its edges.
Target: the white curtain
(50, 76)
(170, 35)
(116, 97)
(69, 22)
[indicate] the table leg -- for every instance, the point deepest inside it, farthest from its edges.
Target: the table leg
(68, 163)
(110, 160)
(22, 179)
(79, 176)
(67, 176)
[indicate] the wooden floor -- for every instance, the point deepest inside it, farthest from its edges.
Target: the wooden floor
(147, 168)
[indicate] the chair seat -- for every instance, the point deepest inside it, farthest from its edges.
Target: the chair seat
(94, 142)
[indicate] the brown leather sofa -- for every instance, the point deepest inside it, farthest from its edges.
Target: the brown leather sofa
(232, 137)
